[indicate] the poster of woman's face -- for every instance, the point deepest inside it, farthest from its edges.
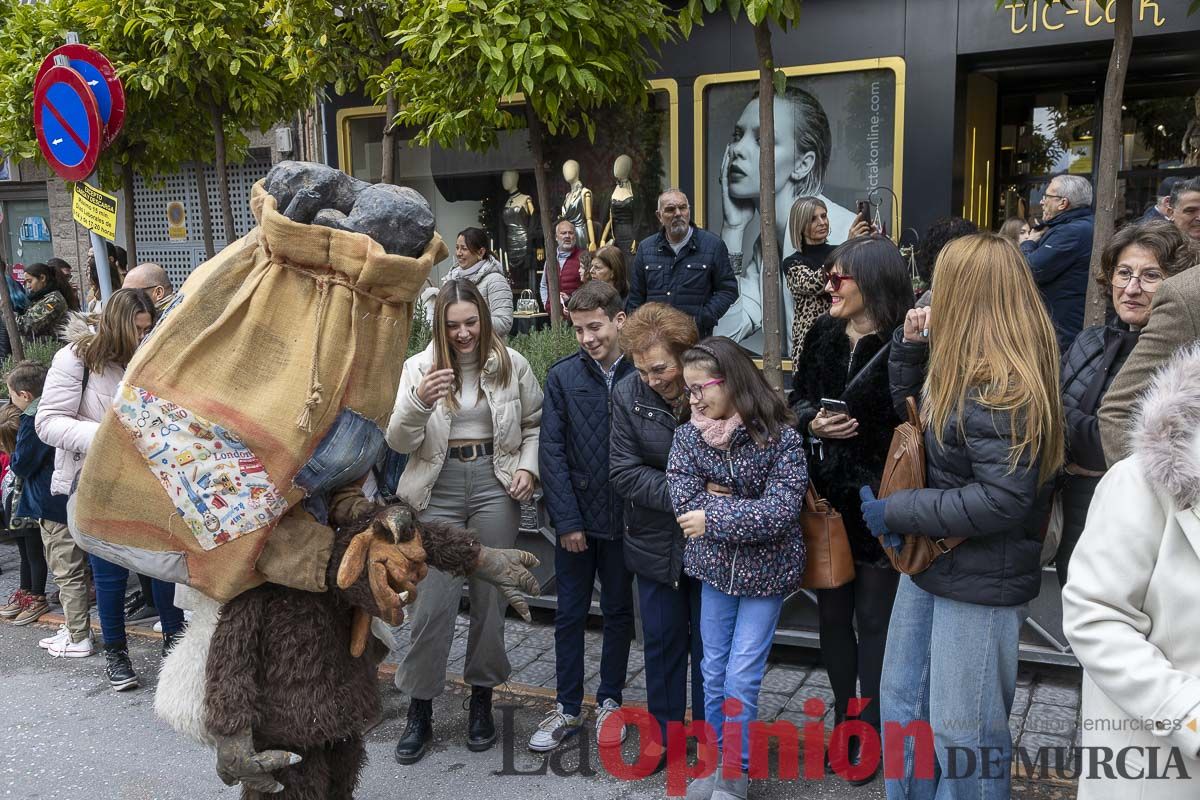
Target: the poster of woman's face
(833, 140)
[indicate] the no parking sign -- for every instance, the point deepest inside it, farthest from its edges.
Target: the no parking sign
(68, 123)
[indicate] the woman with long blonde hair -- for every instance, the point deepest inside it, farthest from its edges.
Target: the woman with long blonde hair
(467, 413)
(983, 361)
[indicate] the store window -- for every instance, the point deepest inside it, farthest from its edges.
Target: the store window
(495, 190)
(1045, 134)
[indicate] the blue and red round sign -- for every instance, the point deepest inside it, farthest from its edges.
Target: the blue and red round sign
(68, 123)
(78, 109)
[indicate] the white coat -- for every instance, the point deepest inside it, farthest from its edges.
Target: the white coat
(1130, 603)
(424, 434)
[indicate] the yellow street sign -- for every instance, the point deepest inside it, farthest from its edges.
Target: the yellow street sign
(95, 210)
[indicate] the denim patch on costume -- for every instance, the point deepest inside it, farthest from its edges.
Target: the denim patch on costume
(350, 448)
(218, 485)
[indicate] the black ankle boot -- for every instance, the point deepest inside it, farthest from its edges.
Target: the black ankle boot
(481, 728)
(169, 641)
(418, 733)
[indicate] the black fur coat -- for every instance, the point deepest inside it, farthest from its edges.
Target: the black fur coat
(838, 467)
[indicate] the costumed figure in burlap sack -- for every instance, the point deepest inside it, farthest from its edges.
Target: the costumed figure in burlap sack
(233, 460)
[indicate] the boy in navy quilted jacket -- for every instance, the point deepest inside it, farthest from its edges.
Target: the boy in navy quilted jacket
(737, 476)
(586, 514)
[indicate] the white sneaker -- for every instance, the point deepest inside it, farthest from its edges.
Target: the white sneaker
(68, 649)
(158, 627)
(556, 727)
(59, 635)
(187, 617)
(613, 735)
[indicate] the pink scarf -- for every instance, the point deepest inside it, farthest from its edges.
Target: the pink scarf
(717, 433)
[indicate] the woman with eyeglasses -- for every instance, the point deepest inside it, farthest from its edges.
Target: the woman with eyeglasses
(1136, 261)
(842, 400)
(737, 478)
(646, 408)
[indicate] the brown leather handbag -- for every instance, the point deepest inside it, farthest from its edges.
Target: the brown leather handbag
(905, 469)
(828, 563)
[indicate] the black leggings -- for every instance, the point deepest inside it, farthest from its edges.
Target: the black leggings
(33, 564)
(850, 658)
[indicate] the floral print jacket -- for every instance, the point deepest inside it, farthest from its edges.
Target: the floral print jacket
(752, 545)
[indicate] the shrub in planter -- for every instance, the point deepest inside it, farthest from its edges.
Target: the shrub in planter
(40, 350)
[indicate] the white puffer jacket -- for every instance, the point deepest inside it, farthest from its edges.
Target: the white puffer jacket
(65, 420)
(425, 434)
(1129, 606)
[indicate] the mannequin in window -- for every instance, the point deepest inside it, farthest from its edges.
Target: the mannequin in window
(622, 217)
(516, 215)
(577, 206)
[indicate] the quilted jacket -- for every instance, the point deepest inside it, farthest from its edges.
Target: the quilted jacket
(752, 545)
(1088, 370)
(1059, 262)
(643, 427)
(970, 492)
(698, 281)
(33, 460)
(573, 449)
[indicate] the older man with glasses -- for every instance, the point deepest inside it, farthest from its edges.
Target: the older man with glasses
(1059, 251)
(683, 267)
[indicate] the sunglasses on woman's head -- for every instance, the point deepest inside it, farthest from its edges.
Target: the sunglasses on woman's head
(836, 279)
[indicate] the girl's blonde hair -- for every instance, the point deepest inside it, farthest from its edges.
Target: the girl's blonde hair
(801, 215)
(992, 338)
(10, 422)
(116, 336)
(461, 290)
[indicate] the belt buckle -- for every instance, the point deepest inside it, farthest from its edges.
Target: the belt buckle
(474, 452)
(940, 544)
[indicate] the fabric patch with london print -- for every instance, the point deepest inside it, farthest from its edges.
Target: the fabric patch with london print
(218, 485)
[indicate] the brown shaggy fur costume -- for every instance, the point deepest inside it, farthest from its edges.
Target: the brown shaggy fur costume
(280, 665)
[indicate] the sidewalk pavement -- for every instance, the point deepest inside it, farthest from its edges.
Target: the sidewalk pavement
(1045, 710)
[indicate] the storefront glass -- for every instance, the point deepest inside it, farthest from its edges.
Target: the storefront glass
(495, 190)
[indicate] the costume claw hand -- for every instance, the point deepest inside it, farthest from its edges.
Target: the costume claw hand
(509, 571)
(393, 569)
(239, 762)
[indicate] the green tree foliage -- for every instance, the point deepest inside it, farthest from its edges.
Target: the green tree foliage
(761, 14)
(465, 65)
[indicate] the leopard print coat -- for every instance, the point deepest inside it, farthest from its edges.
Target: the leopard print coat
(805, 274)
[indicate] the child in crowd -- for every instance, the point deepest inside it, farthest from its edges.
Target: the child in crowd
(738, 477)
(29, 601)
(586, 515)
(33, 462)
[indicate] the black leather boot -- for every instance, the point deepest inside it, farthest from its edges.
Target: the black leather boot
(418, 733)
(481, 728)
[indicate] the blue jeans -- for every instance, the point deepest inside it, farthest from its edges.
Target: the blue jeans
(575, 574)
(952, 665)
(110, 581)
(737, 633)
(671, 627)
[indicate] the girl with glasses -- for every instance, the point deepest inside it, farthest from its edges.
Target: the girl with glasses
(737, 477)
(845, 358)
(1134, 264)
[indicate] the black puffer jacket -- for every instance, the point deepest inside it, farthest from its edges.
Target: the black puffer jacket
(839, 467)
(643, 427)
(1088, 370)
(971, 492)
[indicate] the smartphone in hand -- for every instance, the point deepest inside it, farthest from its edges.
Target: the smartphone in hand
(832, 406)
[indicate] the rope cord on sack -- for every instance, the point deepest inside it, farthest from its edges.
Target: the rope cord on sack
(304, 421)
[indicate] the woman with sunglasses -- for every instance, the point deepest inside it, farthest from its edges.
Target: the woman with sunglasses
(737, 478)
(1134, 264)
(844, 360)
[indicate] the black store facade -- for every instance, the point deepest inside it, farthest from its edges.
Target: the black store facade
(931, 108)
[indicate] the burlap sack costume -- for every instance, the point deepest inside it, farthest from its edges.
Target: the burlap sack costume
(289, 339)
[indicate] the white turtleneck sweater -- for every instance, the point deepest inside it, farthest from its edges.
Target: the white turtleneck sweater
(473, 421)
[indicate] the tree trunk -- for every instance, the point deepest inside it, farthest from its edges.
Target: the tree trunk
(127, 190)
(543, 191)
(217, 117)
(769, 241)
(205, 214)
(1110, 155)
(15, 345)
(388, 162)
